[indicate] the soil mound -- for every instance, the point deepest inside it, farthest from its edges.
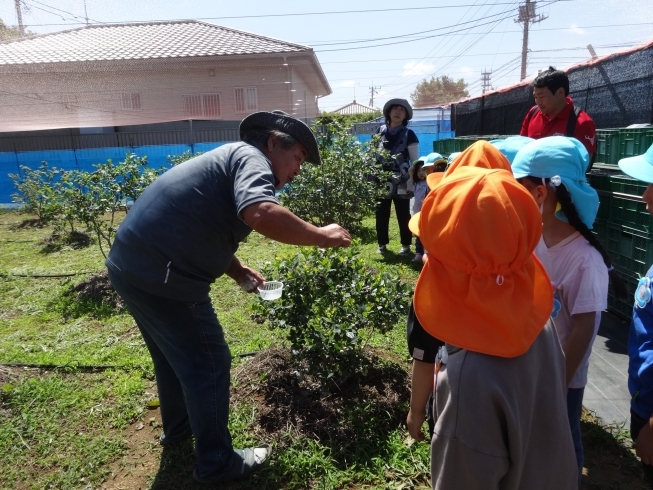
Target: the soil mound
(97, 289)
(365, 406)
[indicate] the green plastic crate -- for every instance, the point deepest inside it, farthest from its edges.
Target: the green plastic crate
(648, 139)
(630, 213)
(631, 250)
(600, 230)
(607, 146)
(627, 185)
(444, 146)
(600, 181)
(633, 142)
(624, 309)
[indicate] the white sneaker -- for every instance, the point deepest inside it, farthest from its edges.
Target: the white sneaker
(417, 258)
(381, 250)
(405, 250)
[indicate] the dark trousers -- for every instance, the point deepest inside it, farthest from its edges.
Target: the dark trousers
(574, 411)
(192, 368)
(419, 248)
(402, 208)
(636, 424)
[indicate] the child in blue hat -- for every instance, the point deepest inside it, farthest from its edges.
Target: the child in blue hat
(553, 171)
(510, 146)
(433, 162)
(640, 338)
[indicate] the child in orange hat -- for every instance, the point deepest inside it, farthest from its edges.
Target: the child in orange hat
(499, 381)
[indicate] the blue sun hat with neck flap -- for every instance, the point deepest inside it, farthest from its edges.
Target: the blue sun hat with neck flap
(639, 167)
(562, 160)
(510, 145)
(453, 156)
(431, 159)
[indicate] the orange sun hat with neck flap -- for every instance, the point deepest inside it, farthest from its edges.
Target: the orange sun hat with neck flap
(482, 288)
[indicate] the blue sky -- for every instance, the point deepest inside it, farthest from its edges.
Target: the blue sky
(487, 37)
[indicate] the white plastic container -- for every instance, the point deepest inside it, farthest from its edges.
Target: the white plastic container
(271, 290)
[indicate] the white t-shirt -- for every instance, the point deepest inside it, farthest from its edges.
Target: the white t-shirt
(580, 279)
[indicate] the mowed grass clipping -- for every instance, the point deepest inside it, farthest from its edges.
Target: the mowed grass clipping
(67, 424)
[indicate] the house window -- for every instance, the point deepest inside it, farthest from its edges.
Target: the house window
(131, 101)
(204, 106)
(246, 99)
(69, 102)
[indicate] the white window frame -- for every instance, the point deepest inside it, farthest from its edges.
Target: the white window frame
(131, 101)
(246, 99)
(202, 106)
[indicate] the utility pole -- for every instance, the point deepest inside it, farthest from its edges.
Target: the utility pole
(21, 27)
(373, 90)
(485, 80)
(527, 16)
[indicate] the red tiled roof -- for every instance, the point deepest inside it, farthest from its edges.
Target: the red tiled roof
(154, 40)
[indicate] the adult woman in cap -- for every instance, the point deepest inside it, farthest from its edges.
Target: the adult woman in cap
(402, 143)
(499, 409)
(182, 234)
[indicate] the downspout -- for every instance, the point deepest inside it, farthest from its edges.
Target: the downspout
(289, 83)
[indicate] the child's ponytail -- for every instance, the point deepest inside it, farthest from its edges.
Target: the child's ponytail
(574, 220)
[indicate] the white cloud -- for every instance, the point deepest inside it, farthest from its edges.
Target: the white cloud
(414, 68)
(346, 83)
(577, 30)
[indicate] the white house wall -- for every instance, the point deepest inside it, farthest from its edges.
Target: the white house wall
(304, 103)
(91, 99)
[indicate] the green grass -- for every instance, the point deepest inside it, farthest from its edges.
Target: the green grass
(65, 427)
(62, 430)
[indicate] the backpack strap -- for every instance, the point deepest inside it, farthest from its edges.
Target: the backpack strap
(533, 110)
(571, 122)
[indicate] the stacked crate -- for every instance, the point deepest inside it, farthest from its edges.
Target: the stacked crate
(447, 146)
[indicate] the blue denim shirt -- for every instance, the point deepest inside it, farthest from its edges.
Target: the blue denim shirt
(640, 350)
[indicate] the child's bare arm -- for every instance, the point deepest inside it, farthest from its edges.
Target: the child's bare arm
(579, 341)
(421, 386)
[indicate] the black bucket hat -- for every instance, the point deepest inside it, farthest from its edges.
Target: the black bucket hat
(403, 103)
(285, 123)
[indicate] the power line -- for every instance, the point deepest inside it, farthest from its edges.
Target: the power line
(437, 45)
(413, 40)
(404, 35)
(75, 17)
(313, 43)
(459, 54)
(298, 14)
